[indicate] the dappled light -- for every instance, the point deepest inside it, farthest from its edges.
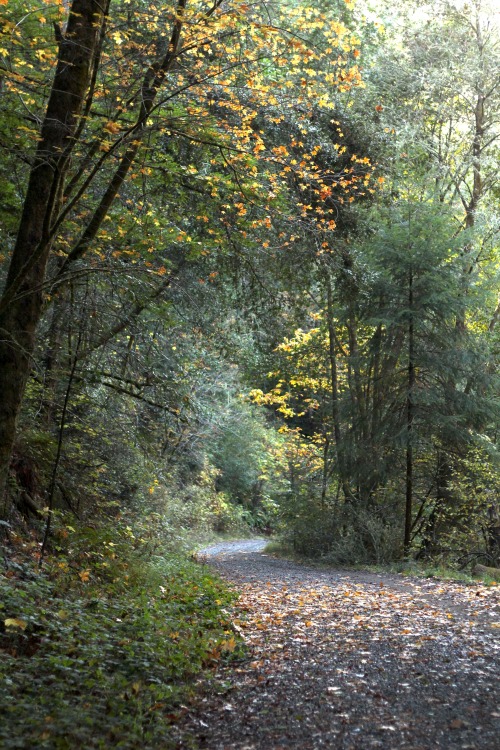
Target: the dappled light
(249, 325)
(353, 659)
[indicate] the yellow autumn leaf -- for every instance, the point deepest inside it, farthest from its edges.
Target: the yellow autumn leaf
(228, 645)
(15, 622)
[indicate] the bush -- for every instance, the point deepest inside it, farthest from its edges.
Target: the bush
(195, 509)
(341, 533)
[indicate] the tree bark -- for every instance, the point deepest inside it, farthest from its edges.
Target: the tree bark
(21, 303)
(71, 93)
(336, 427)
(409, 419)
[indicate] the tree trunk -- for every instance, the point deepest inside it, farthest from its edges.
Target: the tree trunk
(409, 419)
(21, 303)
(336, 427)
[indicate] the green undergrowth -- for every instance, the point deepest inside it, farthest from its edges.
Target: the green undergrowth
(99, 647)
(440, 571)
(284, 549)
(424, 569)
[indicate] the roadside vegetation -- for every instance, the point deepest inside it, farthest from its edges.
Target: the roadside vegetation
(102, 644)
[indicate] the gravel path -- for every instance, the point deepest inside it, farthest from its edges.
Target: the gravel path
(350, 660)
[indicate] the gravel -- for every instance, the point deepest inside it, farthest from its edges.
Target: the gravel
(350, 660)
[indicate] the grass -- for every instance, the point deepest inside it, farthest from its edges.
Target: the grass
(404, 567)
(427, 570)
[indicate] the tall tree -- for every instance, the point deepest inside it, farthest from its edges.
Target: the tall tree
(21, 304)
(194, 71)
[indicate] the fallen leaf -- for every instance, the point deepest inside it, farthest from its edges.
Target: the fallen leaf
(15, 622)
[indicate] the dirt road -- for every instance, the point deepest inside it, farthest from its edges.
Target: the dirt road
(350, 660)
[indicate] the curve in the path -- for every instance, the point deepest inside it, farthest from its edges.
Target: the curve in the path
(351, 660)
(238, 547)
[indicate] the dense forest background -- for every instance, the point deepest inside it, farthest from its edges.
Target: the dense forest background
(250, 268)
(249, 255)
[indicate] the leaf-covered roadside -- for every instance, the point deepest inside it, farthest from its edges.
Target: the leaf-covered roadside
(351, 660)
(98, 648)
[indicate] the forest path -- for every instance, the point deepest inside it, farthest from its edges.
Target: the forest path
(351, 660)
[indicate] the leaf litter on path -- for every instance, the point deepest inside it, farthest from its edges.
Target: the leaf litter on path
(351, 660)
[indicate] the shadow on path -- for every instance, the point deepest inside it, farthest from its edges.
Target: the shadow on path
(351, 660)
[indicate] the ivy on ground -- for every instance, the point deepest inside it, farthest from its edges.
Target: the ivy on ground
(101, 645)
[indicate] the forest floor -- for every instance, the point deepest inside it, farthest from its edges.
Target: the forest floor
(350, 660)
